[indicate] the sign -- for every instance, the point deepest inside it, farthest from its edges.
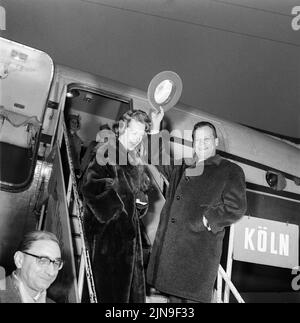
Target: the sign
(266, 242)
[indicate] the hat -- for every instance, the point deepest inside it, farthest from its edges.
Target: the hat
(164, 90)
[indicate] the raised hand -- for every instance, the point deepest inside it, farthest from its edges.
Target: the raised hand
(156, 117)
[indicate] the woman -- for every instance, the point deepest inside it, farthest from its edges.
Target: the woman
(115, 193)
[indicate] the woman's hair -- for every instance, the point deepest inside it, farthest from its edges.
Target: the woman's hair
(138, 115)
(202, 124)
(33, 236)
(138, 175)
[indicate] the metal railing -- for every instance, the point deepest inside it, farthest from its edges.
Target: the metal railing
(85, 263)
(222, 275)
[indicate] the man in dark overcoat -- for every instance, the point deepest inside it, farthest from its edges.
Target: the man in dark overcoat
(201, 201)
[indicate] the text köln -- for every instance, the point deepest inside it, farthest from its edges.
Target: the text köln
(262, 240)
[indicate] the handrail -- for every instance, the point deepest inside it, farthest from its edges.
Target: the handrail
(229, 283)
(229, 261)
(80, 208)
(23, 119)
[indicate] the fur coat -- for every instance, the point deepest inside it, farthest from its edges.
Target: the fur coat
(114, 231)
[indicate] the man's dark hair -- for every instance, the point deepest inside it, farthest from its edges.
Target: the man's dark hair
(33, 236)
(202, 124)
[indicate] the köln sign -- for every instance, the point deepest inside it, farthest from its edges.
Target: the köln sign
(266, 242)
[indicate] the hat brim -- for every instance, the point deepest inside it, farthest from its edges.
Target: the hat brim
(175, 93)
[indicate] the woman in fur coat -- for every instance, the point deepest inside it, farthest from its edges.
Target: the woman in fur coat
(115, 193)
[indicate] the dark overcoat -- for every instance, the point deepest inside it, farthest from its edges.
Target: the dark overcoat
(113, 228)
(185, 255)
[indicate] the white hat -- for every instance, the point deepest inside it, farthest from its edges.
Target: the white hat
(164, 90)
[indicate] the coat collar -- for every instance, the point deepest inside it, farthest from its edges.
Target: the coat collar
(214, 160)
(196, 169)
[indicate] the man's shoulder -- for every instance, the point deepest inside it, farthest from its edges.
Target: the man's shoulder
(49, 300)
(9, 294)
(232, 166)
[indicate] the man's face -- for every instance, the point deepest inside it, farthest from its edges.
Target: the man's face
(74, 124)
(133, 134)
(39, 277)
(205, 143)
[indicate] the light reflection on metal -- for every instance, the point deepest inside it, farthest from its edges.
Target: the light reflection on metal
(73, 93)
(42, 169)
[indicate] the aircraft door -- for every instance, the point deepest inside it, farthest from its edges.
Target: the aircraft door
(25, 78)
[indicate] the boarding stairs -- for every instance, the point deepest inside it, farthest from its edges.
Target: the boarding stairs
(64, 217)
(76, 213)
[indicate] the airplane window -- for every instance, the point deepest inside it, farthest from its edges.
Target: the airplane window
(18, 144)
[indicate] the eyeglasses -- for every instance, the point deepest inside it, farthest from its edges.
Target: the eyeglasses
(45, 261)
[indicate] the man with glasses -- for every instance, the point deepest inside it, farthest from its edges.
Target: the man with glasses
(202, 199)
(38, 261)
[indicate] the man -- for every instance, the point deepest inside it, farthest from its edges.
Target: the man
(115, 193)
(76, 143)
(38, 261)
(199, 205)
